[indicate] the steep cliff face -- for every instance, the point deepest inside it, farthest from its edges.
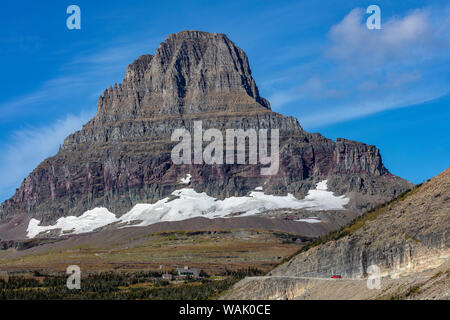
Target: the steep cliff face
(123, 155)
(192, 72)
(408, 240)
(408, 236)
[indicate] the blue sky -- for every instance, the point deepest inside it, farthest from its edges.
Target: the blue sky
(314, 60)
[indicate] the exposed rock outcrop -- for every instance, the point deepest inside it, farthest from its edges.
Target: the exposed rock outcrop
(122, 156)
(406, 238)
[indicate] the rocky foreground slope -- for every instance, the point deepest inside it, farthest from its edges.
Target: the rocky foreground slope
(407, 239)
(122, 157)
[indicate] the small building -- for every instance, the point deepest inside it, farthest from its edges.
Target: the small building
(187, 272)
(167, 276)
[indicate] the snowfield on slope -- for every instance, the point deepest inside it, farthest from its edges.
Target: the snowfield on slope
(87, 222)
(190, 204)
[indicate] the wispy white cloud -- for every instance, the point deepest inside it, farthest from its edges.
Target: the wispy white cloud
(79, 82)
(401, 39)
(27, 147)
(86, 74)
(281, 98)
(348, 111)
(316, 89)
(364, 71)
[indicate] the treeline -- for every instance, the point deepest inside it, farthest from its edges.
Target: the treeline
(112, 286)
(244, 272)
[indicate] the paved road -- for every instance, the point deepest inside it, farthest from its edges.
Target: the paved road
(316, 278)
(302, 278)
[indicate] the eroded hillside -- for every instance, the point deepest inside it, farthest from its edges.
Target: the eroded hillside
(407, 239)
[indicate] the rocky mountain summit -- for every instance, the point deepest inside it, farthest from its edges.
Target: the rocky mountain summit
(122, 156)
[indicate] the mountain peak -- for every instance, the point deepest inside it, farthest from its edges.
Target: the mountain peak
(195, 35)
(190, 72)
(122, 156)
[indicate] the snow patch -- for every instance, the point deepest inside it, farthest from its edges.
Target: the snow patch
(322, 185)
(190, 204)
(87, 222)
(309, 220)
(322, 199)
(186, 180)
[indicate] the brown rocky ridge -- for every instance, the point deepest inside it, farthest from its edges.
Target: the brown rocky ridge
(407, 239)
(122, 156)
